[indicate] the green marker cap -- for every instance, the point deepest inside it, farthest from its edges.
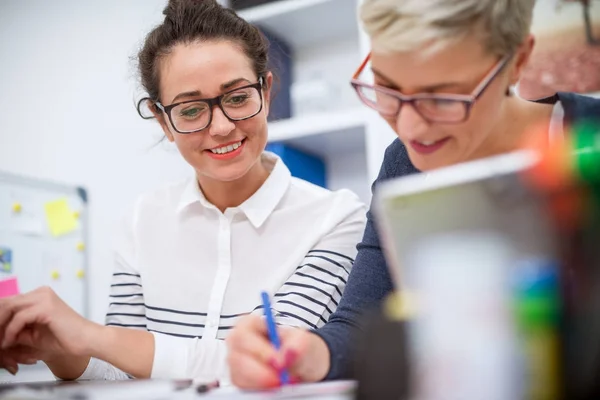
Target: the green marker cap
(587, 151)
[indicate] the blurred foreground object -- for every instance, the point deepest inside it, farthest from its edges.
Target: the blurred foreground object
(501, 259)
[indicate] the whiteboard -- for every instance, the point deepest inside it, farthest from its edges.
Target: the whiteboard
(43, 237)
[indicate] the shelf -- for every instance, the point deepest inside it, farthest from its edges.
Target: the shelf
(323, 134)
(338, 138)
(306, 22)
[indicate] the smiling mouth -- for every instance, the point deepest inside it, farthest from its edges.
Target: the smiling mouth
(228, 148)
(428, 146)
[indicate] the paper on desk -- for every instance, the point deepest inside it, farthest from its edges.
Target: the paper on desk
(335, 390)
(61, 219)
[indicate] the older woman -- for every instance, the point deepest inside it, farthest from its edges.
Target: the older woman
(444, 72)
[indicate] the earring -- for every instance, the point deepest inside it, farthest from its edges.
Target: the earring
(511, 90)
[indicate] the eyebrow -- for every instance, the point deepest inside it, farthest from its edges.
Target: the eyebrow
(431, 88)
(224, 86)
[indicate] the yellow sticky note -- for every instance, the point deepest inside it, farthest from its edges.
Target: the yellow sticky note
(60, 217)
(17, 207)
(55, 274)
(80, 246)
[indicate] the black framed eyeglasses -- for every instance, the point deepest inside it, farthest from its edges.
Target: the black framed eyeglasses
(433, 107)
(195, 115)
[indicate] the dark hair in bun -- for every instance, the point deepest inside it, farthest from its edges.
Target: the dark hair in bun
(188, 21)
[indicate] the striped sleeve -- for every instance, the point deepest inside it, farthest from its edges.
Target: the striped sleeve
(126, 302)
(126, 307)
(312, 293)
(126, 298)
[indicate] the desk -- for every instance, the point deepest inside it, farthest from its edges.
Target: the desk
(165, 390)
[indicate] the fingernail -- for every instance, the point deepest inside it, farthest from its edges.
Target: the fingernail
(290, 358)
(12, 370)
(272, 384)
(31, 361)
(273, 363)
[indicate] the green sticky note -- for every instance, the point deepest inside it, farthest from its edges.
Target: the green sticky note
(60, 217)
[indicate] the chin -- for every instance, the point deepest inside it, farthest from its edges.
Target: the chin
(428, 163)
(227, 176)
(432, 161)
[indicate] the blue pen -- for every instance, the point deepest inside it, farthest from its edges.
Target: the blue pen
(273, 337)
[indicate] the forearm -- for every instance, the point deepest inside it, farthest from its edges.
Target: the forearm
(142, 354)
(130, 350)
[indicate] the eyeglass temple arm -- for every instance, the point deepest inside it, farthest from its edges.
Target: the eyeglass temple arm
(491, 75)
(139, 107)
(362, 66)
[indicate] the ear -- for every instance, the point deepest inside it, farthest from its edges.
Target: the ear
(267, 92)
(522, 57)
(161, 118)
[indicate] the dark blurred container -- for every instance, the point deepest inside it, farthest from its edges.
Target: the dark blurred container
(242, 4)
(280, 62)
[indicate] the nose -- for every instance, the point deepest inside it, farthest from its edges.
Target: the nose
(410, 121)
(220, 124)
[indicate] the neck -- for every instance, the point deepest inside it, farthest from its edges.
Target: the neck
(224, 195)
(517, 118)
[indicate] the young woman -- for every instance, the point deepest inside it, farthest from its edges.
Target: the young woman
(443, 75)
(193, 257)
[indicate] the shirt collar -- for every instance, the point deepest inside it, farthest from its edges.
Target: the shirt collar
(192, 194)
(261, 204)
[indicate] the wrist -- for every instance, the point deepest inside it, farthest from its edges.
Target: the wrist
(317, 363)
(96, 337)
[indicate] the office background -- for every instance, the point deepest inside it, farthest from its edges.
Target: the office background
(68, 88)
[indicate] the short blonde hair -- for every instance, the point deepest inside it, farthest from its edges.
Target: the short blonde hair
(408, 25)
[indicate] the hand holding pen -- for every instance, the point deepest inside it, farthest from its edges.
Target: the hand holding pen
(255, 363)
(273, 335)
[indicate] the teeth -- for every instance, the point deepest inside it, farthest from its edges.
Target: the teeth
(427, 143)
(226, 149)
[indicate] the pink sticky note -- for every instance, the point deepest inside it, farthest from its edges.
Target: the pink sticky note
(9, 287)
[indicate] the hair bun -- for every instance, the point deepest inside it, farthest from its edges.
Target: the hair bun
(176, 8)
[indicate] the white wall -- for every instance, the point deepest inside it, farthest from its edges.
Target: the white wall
(67, 113)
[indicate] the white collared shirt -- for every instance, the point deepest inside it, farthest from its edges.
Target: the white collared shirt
(187, 272)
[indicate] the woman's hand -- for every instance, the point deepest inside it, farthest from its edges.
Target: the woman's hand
(19, 354)
(40, 326)
(255, 364)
